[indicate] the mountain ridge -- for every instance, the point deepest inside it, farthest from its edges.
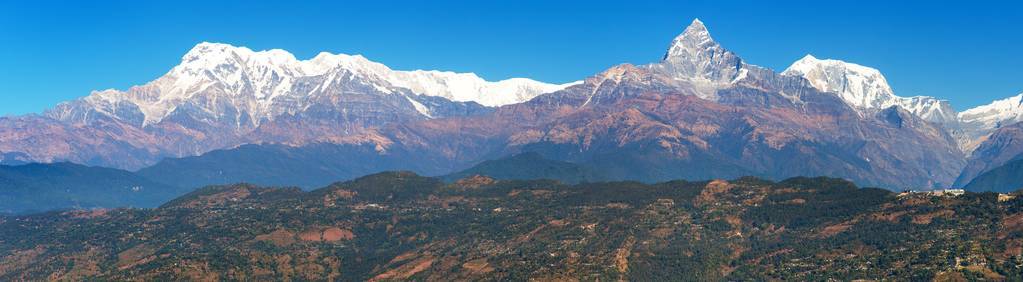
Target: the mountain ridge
(866, 88)
(222, 96)
(269, 75)
(700, 104)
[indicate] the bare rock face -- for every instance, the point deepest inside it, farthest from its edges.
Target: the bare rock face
(106, 141)
(999, 148)
(1003, 179)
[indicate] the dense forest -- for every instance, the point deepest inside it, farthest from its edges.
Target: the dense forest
(401, 226)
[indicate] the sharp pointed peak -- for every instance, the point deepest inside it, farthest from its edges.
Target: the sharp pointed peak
(697, 29)
(809, 57)
(697, 23)
(803, 65)
(695, 37)
(695, 54)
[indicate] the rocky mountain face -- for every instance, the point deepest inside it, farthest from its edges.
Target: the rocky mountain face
(1001, 147)
(106, 141)
(980, 122)
(401, 226)
(1004, 178)
(996, 136)
(866, 90)
(221, 96)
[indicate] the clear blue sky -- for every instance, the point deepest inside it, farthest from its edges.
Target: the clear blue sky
(50, 51)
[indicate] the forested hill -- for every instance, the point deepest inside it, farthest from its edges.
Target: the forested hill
(401, 226)
(42, 187)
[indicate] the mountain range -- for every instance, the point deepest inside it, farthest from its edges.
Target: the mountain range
(222, 96)
(227, 114)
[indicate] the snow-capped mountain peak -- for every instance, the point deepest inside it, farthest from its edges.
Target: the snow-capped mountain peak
(210, 55)
(694, 56)
(224, 81)
(997, 113)
(465, 87)
(979, 122)
(462, 87)
(693, 40)
(866, 89)
(860, 86)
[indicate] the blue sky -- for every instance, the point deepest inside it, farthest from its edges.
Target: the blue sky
(966, 52)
